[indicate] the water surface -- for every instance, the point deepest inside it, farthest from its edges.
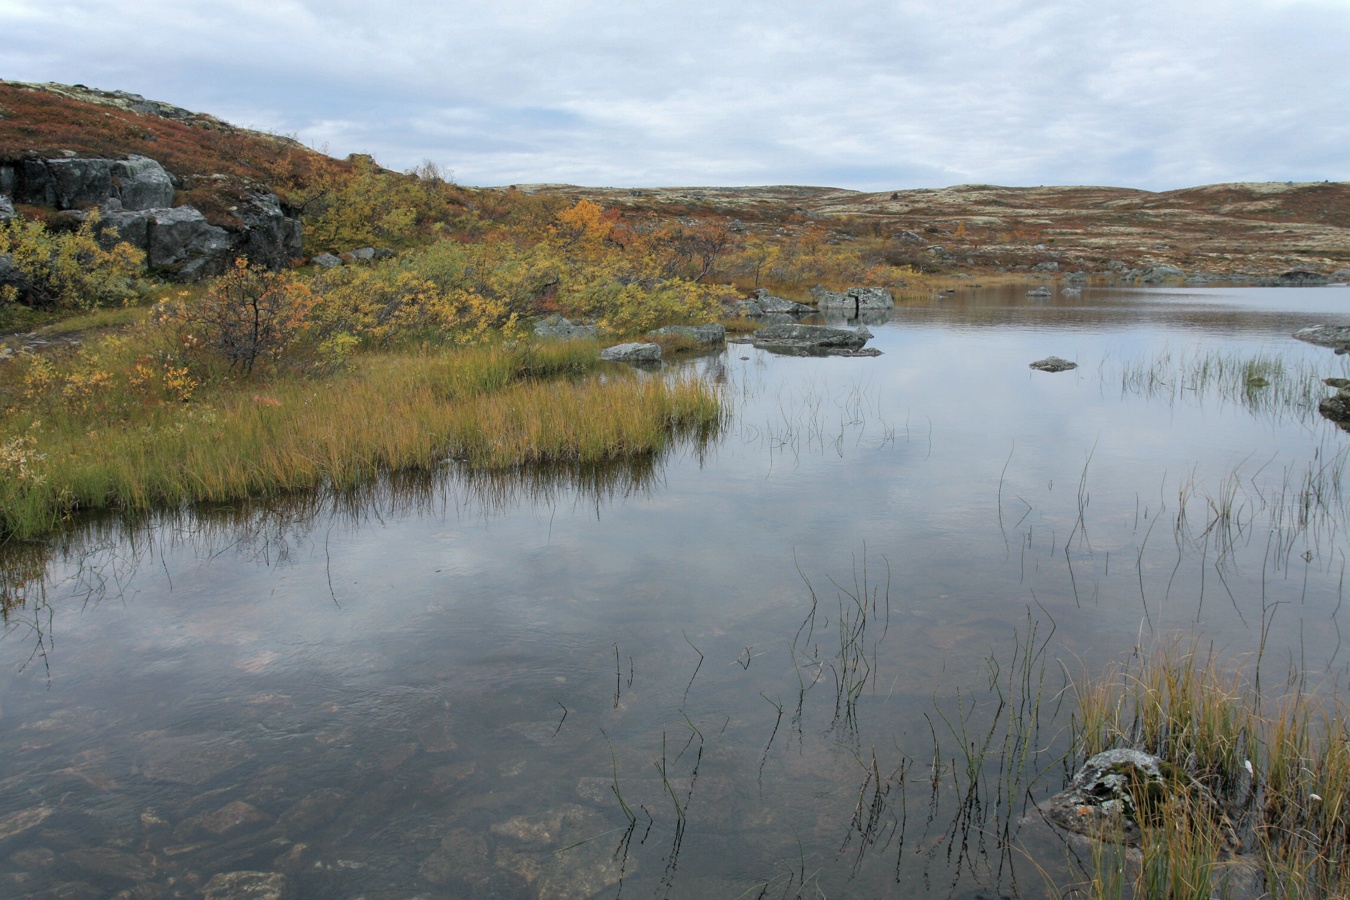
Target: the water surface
(744, 669)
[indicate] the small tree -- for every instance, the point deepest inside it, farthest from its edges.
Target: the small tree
(248, 314)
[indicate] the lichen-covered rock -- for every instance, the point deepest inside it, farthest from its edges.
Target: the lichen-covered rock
(710, 334)
(811, 337)
(632, 352)
(1337, 408)
(1115, 789)
(136, 182)
(769, 303)
(1054, 364)
(1159, 274)
(855, 300)
(559, 328)
(1337, 337)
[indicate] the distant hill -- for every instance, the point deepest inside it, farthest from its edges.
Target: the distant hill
(1227, 228)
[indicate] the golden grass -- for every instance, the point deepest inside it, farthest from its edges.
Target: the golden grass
(494, 407)
(1277, 772)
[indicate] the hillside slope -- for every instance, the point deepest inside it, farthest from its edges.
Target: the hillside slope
(1259, 228)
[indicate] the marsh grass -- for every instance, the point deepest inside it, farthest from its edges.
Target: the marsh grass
(494, 407)
(1268, 780)
(1265, 383)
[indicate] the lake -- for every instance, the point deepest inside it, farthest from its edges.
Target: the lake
(753, 667)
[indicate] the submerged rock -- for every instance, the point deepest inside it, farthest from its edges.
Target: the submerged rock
(192, 759)
(632, 353)
(1054, 364)
(558, 854)
(248, 886)
(819, 339)
(24, 820)
(1039, 292)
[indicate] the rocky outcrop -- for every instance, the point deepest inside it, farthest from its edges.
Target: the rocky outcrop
(814, 340)
(1053, 364)
(1296, 278)
(559, 328)
(632, 353)
(136, 197)
(855, 300)
(6, 209)
(136, 182)
(1159, 274)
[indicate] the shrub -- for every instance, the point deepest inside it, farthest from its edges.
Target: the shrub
(66, 270)
(246, 315)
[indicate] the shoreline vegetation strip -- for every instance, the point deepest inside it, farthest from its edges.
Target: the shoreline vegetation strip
(492, 407)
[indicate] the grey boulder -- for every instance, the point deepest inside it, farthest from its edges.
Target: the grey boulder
(710, 334)
(632, 352)
(559, 328)
(770, 304)
(812, 339)
(855, 300)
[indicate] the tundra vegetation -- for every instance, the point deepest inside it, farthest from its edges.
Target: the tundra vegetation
(257, 381)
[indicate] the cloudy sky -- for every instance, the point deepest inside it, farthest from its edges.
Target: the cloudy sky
(1155, 94)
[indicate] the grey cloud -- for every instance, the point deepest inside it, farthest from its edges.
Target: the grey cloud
(864, 94)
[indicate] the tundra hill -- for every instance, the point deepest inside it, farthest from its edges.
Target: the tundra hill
(1227, 229)
(1252, 228)
(208, 158)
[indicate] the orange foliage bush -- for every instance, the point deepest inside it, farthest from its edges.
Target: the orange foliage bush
(246, 315)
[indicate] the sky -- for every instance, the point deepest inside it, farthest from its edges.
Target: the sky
(1152, 94)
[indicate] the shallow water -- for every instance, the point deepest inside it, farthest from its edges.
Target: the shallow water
(633, 683)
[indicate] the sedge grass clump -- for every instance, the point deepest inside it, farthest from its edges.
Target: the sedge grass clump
(1267, 781)
(93, 436)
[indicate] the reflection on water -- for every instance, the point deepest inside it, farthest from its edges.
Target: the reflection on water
(821, 653)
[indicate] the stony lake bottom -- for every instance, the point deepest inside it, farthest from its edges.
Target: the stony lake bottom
(755, 666)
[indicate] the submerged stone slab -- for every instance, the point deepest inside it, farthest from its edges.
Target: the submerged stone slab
(192, 759)
(811, 338)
